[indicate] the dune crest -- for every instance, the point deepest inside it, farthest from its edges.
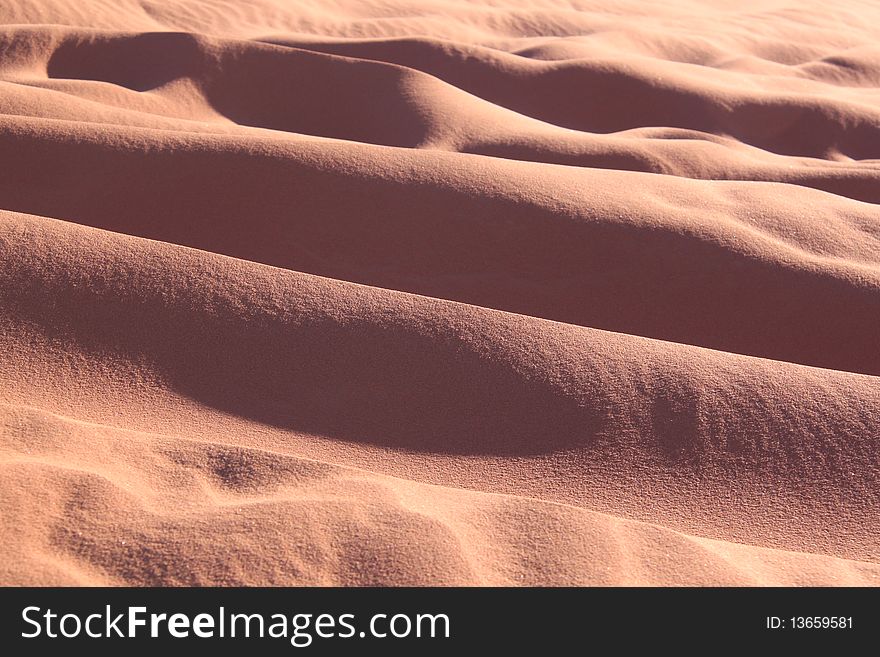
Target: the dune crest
(400, 293)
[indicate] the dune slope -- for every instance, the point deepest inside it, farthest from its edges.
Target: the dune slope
(439, 293)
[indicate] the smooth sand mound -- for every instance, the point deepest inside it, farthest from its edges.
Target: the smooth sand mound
(439, 293)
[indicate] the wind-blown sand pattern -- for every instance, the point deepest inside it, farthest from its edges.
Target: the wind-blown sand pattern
(483, 293)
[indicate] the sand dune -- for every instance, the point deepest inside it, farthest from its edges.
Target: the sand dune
(439, 293)
(116, 515)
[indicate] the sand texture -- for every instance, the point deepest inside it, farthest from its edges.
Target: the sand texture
(503, 292)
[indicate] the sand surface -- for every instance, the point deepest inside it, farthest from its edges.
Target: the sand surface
(487, 293)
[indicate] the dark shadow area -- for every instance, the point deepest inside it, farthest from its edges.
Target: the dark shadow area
(257, 85)
(139, 62)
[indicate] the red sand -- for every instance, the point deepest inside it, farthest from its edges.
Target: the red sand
(439, 292)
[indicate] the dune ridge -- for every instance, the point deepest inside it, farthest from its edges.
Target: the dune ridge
(362, 293)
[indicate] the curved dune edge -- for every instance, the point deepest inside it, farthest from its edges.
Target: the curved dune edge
(459, 98)
(393, 292)
(679, 262)
(153, 336)
(113, 507)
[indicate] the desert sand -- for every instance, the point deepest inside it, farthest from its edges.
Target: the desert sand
(509, 292)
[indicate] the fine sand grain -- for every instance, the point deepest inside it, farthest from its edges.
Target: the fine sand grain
(485, 293)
